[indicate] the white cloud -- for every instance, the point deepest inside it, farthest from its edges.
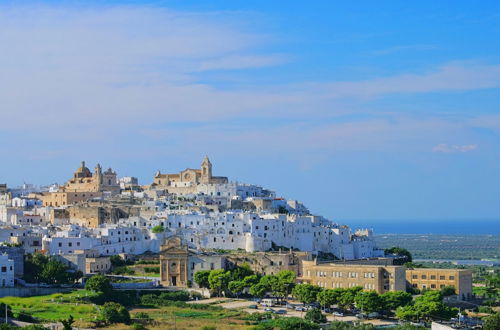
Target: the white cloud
(451, 149)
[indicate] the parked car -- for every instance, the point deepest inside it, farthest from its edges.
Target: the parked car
(361, 316)
(300, 309)
(373, 315)
(253, 306)
(281, 311)
(269, 309)
(335, 313)
(327, 310)
(290, 306)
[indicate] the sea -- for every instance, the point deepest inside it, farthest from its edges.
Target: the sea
(428, 226)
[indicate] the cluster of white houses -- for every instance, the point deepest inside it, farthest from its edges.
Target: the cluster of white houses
(95, 215)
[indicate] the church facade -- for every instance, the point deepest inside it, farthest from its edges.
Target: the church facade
(186, 181)
(84, 180)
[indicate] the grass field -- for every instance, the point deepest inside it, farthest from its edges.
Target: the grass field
(55, 307)
(59, 306)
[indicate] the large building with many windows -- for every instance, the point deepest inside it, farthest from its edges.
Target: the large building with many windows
(436, 279)
(332, 275)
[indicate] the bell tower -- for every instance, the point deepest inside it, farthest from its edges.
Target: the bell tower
(206, 170)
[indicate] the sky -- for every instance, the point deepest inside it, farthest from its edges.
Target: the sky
(361, 110)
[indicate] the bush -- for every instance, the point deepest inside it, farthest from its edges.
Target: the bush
(141, 315)
(138, 326)
(485, 309)
(112, 312)
(315, 315)
(209, 327)
(158, 229)
(152, 269)
(99, 283)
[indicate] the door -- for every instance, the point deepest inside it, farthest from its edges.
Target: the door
(174, 280)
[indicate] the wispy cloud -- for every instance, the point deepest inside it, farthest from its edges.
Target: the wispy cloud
(451, 149)
(397, 49)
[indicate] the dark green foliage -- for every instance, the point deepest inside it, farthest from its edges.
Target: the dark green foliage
(164, 298)
(123, 270)
(306, 293)
(492, 322)
(112, 312)
(394, 299)
(286, 323)
(201, 278)
(404, 253)
(428, 306)
(315, 315)
(117, 261)
(138, 326)
(339, 325)
(219, 281)
(142, 316)
(369, 301)
(42, 269)
(448, 291)
(151, 269)
(68, 323)
(99, 283)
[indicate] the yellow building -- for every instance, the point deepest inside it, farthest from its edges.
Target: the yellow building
(436, 279)
(187, 180)
(379, 278)
(84, 180)
(57, 199)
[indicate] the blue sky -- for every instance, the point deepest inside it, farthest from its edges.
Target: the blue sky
(362, 110)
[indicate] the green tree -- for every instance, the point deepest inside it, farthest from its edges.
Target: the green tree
(68, 323)
(236, 287)
(401, 252)
(394, 299)
(306, 293)
(117, 261)
(201, 278)
(326, 298)
(219, 280)
(347, 296)
(285, 283)
(448, 290)
(99, 283)
(315, 315)
(251, 280)
(240, 272)
(492, 322)
(112, 312)
(158, 229)
(369, 301)
(54, 272)
(428, 306)
(259, 290)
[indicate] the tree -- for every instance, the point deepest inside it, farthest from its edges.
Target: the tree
(315, 315)
(236, 287)
(258, 290)
(68, 323)
(401, 252)
(219, 280)
(285, 283)
(326, 298)
(158, 229)
(369, 301)
(394, 299)
(112, 312)
(448, 290)
(54, 272)
(201, 278)
(427, 306)
(306, 293)
(492, 322)
(99, 283)
(240, 272)
(117, 261)
(347, 296)
(251, 280)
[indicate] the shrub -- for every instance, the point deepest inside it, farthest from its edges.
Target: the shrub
(112, 312)
(158, 229)
(152, 269)
(141, 315)
(99, 283)
(138, 326)
(315, 315)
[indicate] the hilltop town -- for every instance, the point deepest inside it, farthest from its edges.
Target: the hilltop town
(168, 234)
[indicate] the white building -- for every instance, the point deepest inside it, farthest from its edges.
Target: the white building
(6, 271)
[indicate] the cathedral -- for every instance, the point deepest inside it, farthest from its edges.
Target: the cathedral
(188, 178)
(84, 180)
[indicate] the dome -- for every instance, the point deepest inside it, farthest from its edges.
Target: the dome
(83, 172)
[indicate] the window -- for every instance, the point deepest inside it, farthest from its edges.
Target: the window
(4, 269)
(433, 286)
(442, 277)
(452, 278)
(424, 277)
(433, 277)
